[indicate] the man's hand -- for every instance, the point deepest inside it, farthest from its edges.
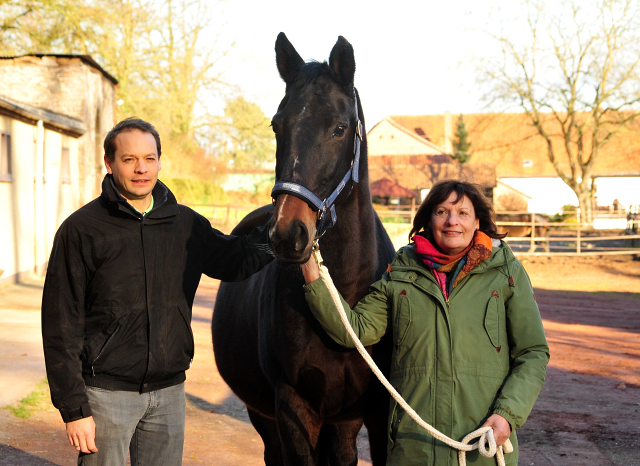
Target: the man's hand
(82, 434)
(501, 428)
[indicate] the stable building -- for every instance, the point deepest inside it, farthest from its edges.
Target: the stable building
(54, 113)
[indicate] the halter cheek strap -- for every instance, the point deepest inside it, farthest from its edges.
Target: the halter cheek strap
(323, 206)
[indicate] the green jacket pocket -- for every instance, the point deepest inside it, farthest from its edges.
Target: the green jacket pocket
(492, 319)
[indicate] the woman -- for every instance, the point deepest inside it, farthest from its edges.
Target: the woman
(469, 349)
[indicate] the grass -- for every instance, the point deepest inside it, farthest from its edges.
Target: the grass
(37, 399)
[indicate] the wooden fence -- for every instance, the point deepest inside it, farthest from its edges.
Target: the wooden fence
(571, 237)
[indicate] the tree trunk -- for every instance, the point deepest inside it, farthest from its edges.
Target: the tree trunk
(585, 205)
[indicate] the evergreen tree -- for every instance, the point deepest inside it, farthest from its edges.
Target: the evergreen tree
(462, 146)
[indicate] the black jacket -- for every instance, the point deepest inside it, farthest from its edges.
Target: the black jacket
(116, 306)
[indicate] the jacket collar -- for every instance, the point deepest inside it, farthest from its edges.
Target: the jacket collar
(407, 259)
(164, 202)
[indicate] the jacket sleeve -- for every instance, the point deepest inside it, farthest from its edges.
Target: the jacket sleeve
(232, 258)
(369, 318)
(63, 325)
(529, 352)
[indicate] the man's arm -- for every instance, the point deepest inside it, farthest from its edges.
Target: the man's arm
(232, 258)
(63, 325)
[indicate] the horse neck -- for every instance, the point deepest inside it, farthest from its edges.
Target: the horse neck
(349, 249)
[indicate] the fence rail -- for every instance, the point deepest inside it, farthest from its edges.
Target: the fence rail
(573, 238)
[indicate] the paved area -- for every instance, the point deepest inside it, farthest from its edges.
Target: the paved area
(21, 356)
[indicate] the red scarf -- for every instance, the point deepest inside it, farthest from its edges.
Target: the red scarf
(461, 264)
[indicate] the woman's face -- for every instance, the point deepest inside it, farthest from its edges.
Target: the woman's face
(454, 224)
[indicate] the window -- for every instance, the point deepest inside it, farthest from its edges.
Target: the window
(65, 172)
(5, 157)
(527, 163)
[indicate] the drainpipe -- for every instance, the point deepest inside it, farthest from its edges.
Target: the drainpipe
(38, 198)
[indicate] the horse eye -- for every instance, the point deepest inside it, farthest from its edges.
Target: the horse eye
(339, 131)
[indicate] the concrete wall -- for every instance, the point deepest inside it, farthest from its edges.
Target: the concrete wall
(37, 200)
(549, 195)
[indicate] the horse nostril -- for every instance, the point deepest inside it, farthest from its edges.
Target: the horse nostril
(301, 237)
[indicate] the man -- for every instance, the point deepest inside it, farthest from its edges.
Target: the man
(116, 307)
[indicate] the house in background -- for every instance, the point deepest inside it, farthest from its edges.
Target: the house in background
(409, 157)
(54, 113)
(509, 143)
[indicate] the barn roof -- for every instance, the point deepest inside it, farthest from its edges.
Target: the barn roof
(87, 59)
(510, 142)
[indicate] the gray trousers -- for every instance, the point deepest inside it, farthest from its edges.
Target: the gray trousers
(149, 425)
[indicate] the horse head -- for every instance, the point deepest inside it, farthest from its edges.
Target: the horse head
(318, 133)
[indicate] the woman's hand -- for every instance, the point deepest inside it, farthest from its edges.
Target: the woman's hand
(501, 428)
(310, 270)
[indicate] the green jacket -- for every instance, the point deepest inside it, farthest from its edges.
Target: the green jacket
(457, 362)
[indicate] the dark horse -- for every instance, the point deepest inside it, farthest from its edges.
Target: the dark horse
(306, 396)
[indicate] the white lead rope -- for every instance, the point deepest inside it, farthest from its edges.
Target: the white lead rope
(485, 433)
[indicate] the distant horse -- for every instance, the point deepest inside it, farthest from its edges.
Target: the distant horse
(307, 396)
(523, 231)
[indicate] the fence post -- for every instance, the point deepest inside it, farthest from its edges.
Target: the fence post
(533, 232)
(579, 225)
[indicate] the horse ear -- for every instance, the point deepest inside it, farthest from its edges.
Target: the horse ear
(342, 63)
(287, 59)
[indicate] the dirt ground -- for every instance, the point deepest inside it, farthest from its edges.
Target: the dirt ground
(588, 412)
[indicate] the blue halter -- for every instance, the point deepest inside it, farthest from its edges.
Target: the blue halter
(326, 221)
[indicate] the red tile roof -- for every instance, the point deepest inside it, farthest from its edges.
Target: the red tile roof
(510, 143)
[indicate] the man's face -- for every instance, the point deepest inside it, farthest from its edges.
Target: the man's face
(135, 166)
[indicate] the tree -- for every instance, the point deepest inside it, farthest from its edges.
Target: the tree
(156, 49)
(461, 145)
(247, 138)
(576, 77)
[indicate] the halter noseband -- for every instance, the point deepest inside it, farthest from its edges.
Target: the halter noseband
(325, 222)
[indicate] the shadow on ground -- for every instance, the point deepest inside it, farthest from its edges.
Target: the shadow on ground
(10, 456)
(622, 310)
(231, 407)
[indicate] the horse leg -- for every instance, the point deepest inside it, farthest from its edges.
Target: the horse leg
(298, 426)
(376, 422)
(337, 445)
(268, 430)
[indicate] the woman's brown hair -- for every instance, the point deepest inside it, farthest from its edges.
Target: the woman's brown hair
(441, 192)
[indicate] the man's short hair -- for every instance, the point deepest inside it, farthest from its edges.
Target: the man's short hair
(129, 124)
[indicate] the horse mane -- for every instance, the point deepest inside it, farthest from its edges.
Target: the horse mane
(311, 70)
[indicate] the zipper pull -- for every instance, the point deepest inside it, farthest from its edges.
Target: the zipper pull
(447, 301)
(92, 372)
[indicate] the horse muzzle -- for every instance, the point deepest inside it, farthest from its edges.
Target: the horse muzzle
(293, 229)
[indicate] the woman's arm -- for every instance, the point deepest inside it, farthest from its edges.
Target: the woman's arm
(529, 352)
(369, 318)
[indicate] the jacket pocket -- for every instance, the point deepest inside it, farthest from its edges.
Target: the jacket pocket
(402, 319)
(492, 319)
(186, 319)
(98, 345)
(178, 342)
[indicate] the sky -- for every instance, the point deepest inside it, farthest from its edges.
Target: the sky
(412, 57)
